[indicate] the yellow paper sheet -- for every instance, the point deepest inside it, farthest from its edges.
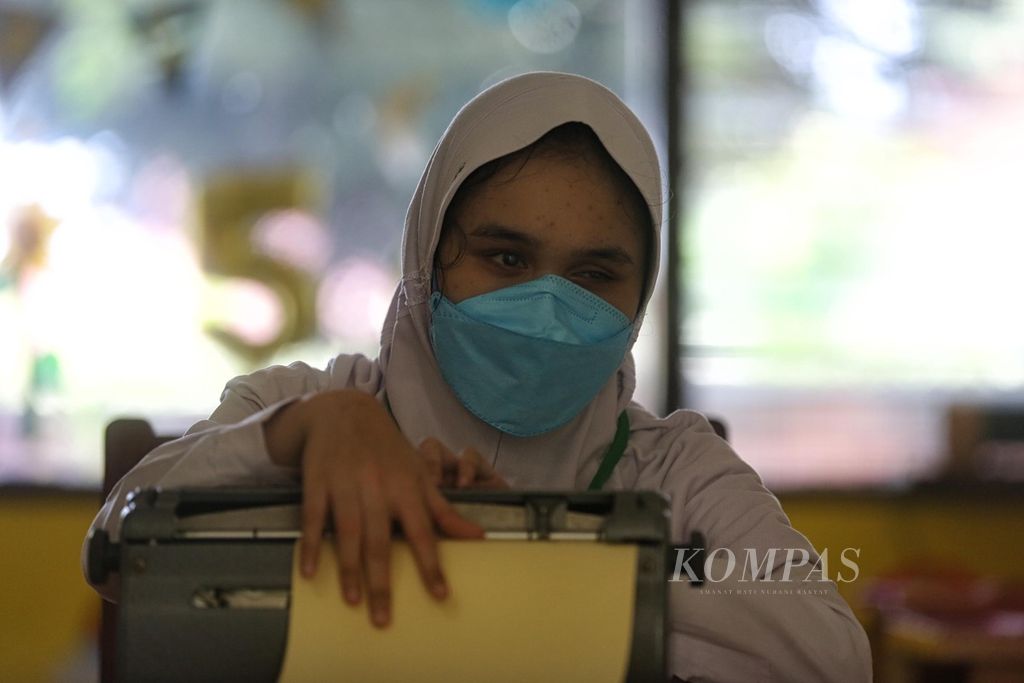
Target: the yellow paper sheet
(517, 611)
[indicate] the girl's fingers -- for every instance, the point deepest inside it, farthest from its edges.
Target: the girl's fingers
(377, 552)
(348, 537)
(441, 462)
(447, 518)
(495, 483)
(476, 472)
(432, 456)
(314, 511)
(419, 533)
(469, 467)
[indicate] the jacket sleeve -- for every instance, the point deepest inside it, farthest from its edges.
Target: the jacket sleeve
(227, 449)
(766, 611)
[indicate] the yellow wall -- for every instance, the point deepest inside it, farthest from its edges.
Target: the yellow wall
(971, 532)
(47, 612)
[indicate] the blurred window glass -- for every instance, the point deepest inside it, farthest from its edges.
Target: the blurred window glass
(853, 228)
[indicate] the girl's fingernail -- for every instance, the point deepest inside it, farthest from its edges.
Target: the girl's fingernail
(352, 595)
(380, 616)
(440, 590)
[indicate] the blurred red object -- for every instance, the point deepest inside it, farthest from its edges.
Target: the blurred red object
(947, 625)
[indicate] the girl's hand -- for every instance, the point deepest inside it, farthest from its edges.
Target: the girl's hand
(359, 468)
(468, 471)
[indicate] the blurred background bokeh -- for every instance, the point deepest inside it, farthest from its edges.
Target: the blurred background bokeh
(193, 189)
(854, 230)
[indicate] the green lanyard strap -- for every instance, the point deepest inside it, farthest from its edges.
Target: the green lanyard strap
(614, 454)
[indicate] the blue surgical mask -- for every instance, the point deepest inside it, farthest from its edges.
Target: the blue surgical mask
(526, 359)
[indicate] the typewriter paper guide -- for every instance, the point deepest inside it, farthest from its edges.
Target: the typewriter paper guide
(517, 611)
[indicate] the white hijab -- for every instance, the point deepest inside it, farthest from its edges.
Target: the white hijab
(504, 118)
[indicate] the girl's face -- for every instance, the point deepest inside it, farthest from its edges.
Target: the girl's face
(549, 216)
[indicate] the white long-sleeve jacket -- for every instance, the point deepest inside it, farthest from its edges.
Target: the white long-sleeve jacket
(735, 628)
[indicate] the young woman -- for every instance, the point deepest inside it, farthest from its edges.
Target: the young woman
(530, 252)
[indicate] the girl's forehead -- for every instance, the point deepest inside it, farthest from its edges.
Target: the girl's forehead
(548, 174)
(545, 194)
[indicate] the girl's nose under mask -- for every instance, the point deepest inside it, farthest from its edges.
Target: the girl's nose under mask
(527, 359)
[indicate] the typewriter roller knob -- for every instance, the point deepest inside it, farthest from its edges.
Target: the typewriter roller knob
(102, 557)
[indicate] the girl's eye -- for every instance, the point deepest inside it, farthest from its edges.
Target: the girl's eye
(508, 259)
(595, 275)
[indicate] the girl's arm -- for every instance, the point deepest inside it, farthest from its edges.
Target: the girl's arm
(755, 620)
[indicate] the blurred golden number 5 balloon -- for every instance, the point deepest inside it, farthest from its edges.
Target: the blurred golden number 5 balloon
(232, 204)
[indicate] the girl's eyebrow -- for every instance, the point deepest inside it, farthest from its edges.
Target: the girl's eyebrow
(611, 254)
(503, 232)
